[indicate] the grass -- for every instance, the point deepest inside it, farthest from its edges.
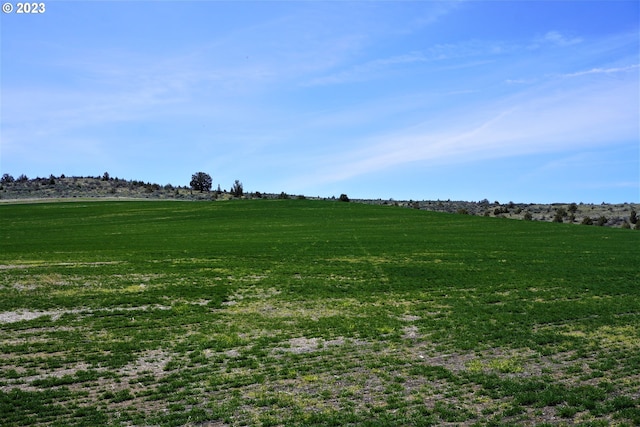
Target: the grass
(294, 312)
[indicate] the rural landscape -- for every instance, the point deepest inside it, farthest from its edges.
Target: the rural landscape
(320, 213)
(623, 215)
(273, 310)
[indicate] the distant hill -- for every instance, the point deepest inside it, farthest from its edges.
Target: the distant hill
(93, 187)
(23, 189)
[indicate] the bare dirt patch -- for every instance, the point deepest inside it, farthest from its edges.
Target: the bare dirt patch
(306, 345)
(19, 316)
(151, 362)
(22, 315)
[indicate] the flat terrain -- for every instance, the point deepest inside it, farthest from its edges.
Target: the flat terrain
(37, 190)
(300, 312)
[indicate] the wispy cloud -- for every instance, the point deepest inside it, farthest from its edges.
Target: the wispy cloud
(559, 39)
(606, 71)
(447, 56)
(521, 81)
(436, 11)
(528, 123)
(368, 70)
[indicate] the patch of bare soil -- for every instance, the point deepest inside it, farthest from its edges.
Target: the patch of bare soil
(57, 264)
(306, 345)
(21, 315)
(151, 362)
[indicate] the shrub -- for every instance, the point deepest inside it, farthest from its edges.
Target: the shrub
(501, 210)
(560, 214)
(633, 218)
(344, 198)
(587, 221)
(602, 220)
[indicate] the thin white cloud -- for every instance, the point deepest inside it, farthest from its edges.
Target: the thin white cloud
(529, 123)
(450, 56)
(559, 39)
(437, 11)
(368, 70)
(607, 71)
(521, 81)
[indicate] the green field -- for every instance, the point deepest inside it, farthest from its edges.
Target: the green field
(295, 312)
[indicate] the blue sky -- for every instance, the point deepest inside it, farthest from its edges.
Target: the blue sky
(524, 101)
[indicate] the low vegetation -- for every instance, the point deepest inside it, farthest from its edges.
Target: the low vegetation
(304, 312)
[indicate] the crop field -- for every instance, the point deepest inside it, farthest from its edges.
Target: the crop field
(297, 312)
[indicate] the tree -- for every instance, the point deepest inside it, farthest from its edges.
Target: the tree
(344, 198)
(633, 218)
(201, 181)
(6, 178)
(237, 189)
